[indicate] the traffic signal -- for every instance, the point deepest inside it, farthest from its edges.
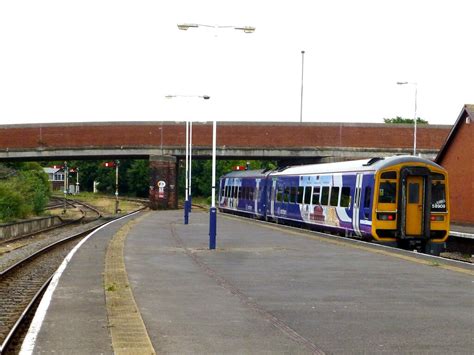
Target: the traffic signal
(109, 164)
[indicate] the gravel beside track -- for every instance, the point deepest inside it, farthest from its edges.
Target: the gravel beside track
(19, 286)
(13, 252)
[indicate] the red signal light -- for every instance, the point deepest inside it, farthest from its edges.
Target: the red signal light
(109, 164)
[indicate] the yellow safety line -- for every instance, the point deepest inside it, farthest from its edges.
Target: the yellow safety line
(355, 246)
(126, 326)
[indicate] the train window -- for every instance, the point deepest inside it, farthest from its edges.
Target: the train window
(239, 195)
(387, 192)
(389, 175)
(333, 201)
(300, 194)
(293, 194)
(286, 194)
(367, 196)
(325, 196)
(436, 176)
(316, 191)
(345, 197)
(307, 195)
(279, 195)
(438, 197)
(413, 193)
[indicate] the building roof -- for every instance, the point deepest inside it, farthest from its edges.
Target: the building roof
(466, 112)
(51, 170)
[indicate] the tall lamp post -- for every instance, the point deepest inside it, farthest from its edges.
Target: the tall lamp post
(188, 150)
(302, 77)
(414, 129)
(213, 211)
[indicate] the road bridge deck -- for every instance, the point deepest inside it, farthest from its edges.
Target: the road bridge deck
(266, 289)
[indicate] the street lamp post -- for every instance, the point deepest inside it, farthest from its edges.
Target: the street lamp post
(186, 178)
(190, 197)
(213, 211)
(302, 77)
(117, 163)
(415, 119)
(188, 158)
(66, 173)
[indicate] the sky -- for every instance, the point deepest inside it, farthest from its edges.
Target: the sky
(101, 60)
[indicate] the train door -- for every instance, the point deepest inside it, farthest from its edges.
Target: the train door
(257, 196)
(414, 206)
(357, 204)
(306, 209)
(273, 197)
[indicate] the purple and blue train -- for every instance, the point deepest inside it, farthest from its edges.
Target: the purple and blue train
(400, 201)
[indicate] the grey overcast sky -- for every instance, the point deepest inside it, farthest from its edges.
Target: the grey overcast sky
(101, 60)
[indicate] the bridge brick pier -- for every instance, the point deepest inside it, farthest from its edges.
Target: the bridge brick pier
(164, 144)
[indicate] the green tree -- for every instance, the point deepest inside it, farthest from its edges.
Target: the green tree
(138, 178)
(401, 120)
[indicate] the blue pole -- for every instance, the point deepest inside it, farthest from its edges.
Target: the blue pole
(186, 212)
(212, 228)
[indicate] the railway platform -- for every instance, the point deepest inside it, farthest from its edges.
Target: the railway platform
(150, 284)
(462, 231)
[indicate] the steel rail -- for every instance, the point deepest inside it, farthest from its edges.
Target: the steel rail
(5, 343)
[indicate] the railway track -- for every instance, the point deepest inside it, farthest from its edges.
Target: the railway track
(24, 278)
(23, 282)
(87, 213)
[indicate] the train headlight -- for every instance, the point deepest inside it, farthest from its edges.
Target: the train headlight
(437, 218)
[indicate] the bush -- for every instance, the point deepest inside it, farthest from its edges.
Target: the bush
(24, 194)
(12, 204)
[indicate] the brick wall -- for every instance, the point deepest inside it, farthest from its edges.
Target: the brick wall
(163, 171)
(459, 161)
(248, 135)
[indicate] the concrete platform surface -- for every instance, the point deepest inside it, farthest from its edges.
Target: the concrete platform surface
(265, 290)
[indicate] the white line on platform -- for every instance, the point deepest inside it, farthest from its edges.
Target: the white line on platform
(30, 340)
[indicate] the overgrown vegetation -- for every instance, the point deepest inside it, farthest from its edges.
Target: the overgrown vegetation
(134, 175)
(24, 191)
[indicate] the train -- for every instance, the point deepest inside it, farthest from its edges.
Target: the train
(400, 201)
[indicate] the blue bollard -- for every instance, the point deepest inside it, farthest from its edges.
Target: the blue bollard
(186, 212)
(212, 228)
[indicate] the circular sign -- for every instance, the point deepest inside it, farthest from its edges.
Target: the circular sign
(161, 184)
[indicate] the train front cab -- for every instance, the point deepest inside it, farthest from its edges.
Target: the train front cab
(411, 207)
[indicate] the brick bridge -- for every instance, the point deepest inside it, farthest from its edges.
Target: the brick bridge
(163, 143)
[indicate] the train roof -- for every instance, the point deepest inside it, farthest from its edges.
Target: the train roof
(260, 173)
(373, 164)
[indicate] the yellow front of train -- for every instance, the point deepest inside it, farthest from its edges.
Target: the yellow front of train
(411, 206)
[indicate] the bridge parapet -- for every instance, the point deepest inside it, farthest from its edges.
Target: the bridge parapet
(164, 144)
